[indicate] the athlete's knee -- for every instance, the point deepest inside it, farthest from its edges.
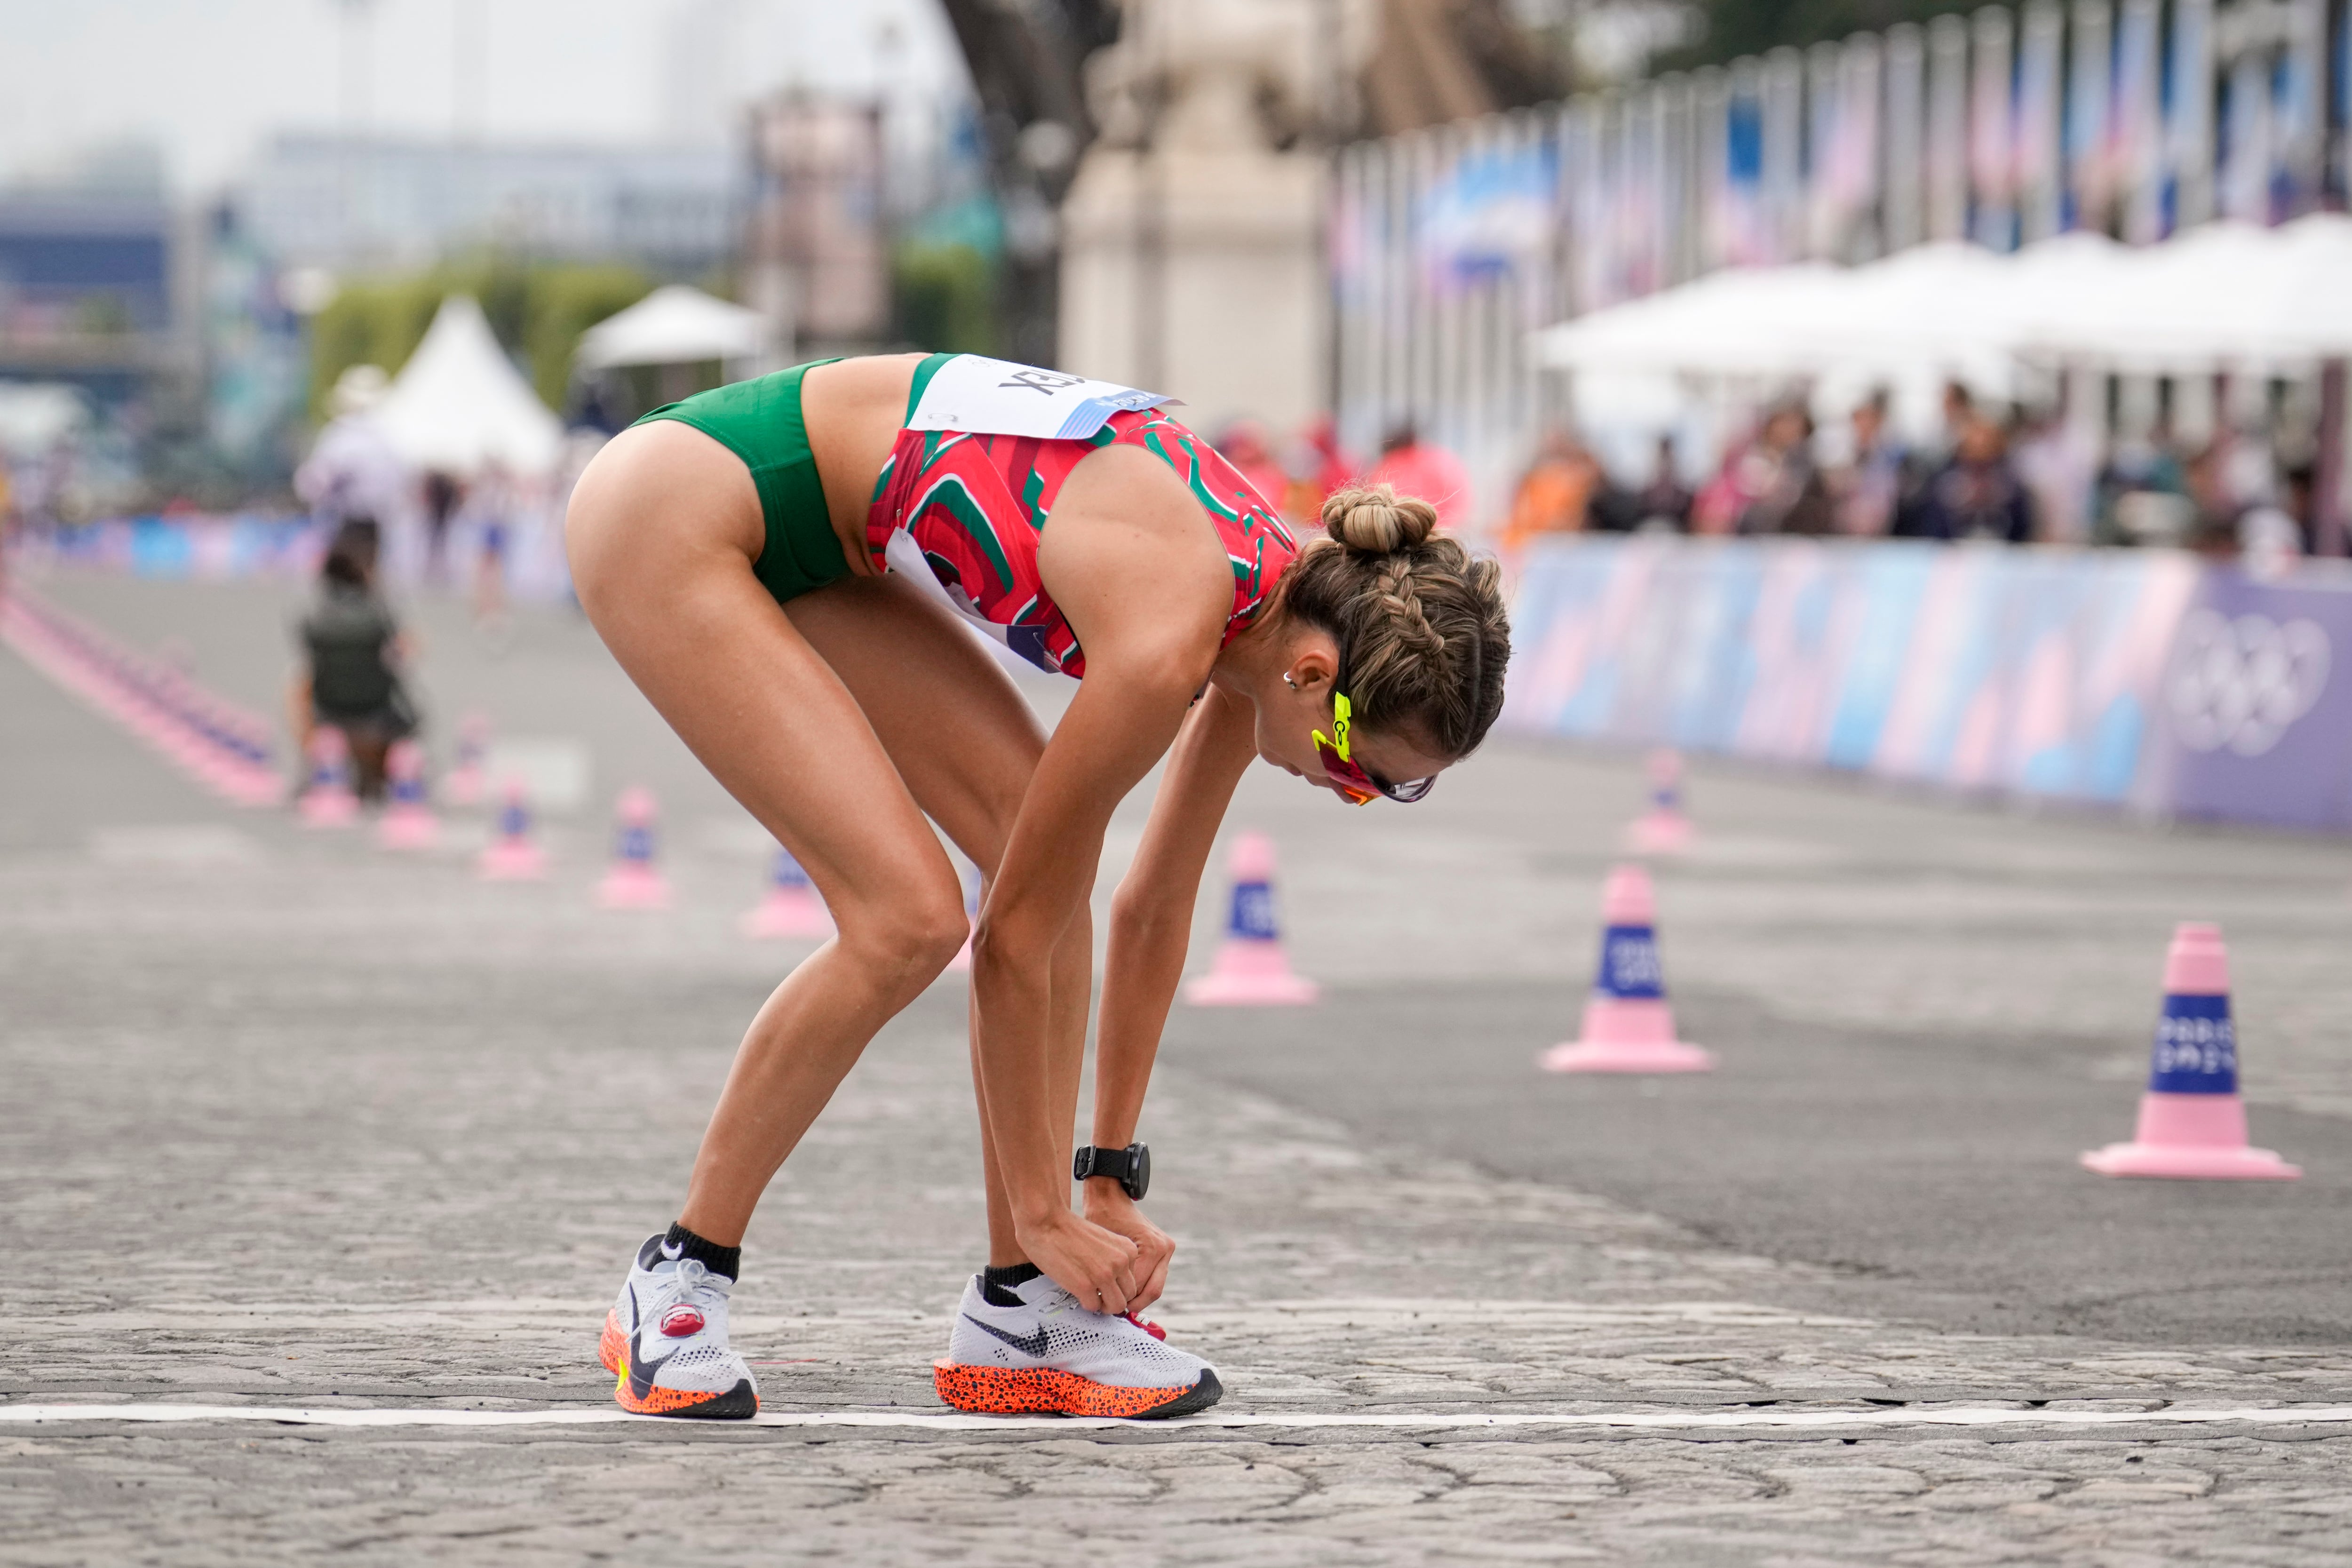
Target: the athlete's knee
(911, 936)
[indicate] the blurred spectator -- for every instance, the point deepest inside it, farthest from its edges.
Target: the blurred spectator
(1772, 485)
(442, 496)
(1866, 490)
(2143, 494)
(353, 650)
(1317, 466)
(1664, 503)
(1417, 467)
(1976, 493)
(1243, 444)
(490, 503)
(1556, 493)
(353, 471)
(2057, 459)
(2273, 535)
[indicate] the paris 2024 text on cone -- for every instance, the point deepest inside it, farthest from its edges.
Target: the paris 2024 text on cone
(1628, 1028)
(512, 856)
(634, 880)
(2192, 1125)
(791, 912)
(1663, 830)
(1251, 969)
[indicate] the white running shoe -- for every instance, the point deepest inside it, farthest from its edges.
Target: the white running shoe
(1048, 1353)
(664, 1340)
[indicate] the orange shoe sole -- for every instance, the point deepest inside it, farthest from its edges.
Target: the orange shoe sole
(736, 1404)
(1024, 1391)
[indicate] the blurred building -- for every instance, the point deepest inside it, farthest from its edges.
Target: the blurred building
(343, 203)
(95, 286)
(816, 257)
(100, 279)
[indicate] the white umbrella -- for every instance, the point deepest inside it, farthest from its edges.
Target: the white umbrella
(2304, 310)
(2182, 306)
(1930, 309)
(675, 325)
(1760, 321)
(459, 404)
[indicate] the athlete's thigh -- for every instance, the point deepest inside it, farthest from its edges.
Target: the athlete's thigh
(947, 714)
(656, 541)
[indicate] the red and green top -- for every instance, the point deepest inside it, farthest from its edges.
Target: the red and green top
(975, 506)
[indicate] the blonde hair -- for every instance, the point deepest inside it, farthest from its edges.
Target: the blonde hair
(1423, 641)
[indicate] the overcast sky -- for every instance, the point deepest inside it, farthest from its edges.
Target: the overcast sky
(209, 78)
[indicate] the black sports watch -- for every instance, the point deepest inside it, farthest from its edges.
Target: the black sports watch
(1130, 1167)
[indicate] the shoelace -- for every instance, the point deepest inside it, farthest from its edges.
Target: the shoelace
(690, 1285)
(1069, 1302)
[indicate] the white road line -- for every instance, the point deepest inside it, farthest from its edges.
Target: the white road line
(909, 1420)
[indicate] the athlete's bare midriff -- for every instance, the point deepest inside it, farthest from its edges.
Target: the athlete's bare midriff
(852, 410)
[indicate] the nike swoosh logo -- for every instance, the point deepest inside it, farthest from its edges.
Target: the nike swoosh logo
(1032, 1345)
(641, 1369)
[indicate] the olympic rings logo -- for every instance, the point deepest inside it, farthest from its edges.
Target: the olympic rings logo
(2241, 683)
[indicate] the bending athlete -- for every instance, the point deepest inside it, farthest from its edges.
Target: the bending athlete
(735, 553)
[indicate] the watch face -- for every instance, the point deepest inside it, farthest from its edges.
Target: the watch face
(1138, 1171)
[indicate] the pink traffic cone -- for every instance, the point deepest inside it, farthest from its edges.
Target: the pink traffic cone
(792, 911)
(1663, 830)
(327, 800)
(634, 881)
(462, 785)
(512, 856)
(2191, 1122)
(407, 821)
(961, 962)
(1628, 1028)
(1251, 970)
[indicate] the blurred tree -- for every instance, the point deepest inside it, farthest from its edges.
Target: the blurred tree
(537, 311)
(1731, 28)
(944, 298)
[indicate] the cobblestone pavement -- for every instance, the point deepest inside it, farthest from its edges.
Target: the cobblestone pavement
(302, 1125)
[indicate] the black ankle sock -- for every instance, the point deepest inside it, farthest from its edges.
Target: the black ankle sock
(726, 1260)
(996, 1284)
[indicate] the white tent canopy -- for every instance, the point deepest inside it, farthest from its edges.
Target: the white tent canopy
(460, 405)
(2222, 295)
(675, 325)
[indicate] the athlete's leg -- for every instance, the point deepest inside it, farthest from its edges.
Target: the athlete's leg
(662, 532)
(966, 743)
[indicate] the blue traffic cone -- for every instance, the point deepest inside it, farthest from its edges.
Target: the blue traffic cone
(634, 881)
(2191, 1122)
(791, 910)
(1251, 969)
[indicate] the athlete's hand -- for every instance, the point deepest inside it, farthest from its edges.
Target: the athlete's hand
(1097, 1265)
(1109, 1207)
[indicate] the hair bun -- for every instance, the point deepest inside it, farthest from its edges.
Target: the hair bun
(1373, 520)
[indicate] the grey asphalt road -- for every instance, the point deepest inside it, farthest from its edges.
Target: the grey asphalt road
(1932, 1176)
(292, 1121)
(1920, 1149)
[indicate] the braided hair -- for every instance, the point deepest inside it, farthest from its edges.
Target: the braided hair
(1419, 622)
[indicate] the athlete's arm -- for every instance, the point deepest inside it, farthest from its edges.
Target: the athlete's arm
(1150, 925)
(1145, 589)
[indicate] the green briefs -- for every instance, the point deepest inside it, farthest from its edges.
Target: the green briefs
(759, 422)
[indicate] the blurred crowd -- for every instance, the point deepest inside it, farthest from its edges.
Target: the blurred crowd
(1994, 472)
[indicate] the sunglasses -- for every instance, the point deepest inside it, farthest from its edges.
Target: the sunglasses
(1359, 786)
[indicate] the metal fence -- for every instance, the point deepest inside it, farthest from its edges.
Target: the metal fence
(1449, 244)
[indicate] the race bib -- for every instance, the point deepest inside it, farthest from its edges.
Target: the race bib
(995, 397)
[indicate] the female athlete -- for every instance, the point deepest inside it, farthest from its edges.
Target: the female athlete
(778, 565)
